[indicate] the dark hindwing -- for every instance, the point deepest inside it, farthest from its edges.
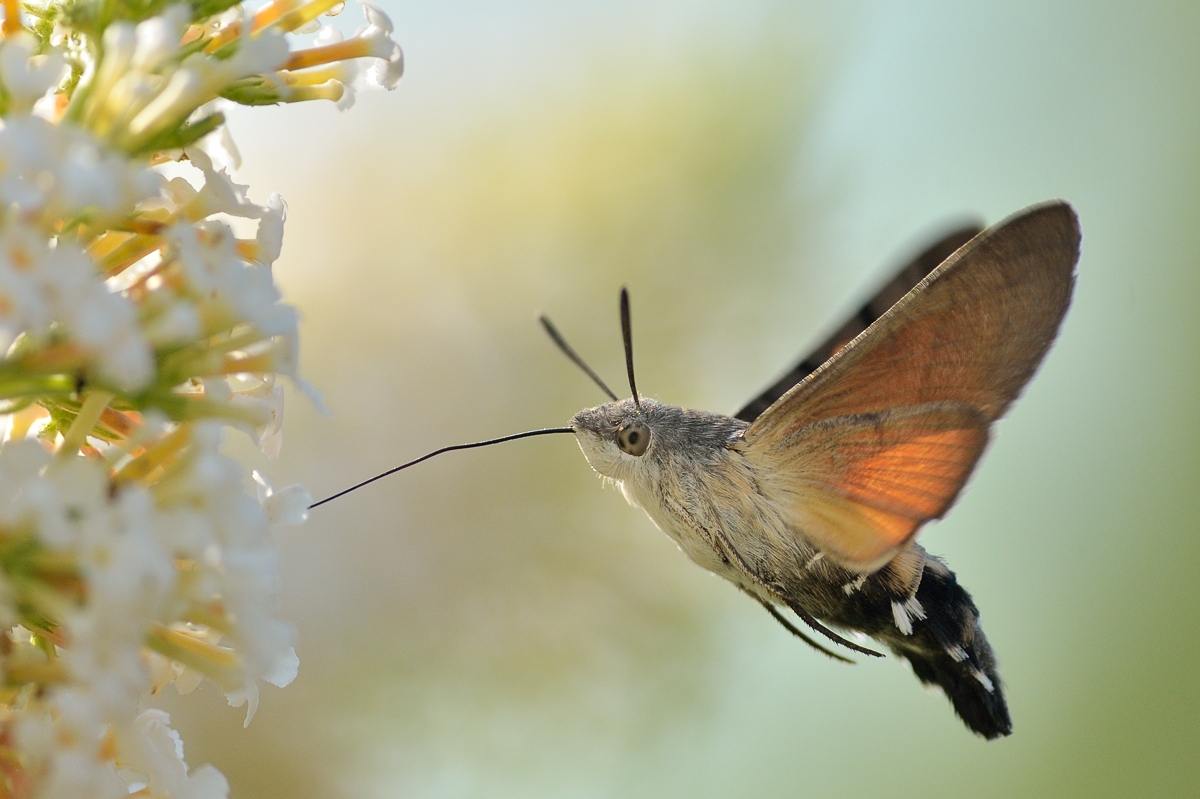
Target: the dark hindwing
(903, 281)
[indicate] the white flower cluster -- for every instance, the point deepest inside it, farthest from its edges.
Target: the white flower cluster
(137, 320)
(48, 283)
(148, 585)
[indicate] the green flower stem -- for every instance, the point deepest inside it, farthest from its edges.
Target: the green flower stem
(187, 408)
(180, 136)
(26, 386)
(85, 421)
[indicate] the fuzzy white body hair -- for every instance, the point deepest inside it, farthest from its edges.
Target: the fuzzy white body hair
(696, 486)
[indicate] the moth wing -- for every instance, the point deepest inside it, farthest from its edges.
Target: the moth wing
(901, 283)
(882, 437)
(858, 487)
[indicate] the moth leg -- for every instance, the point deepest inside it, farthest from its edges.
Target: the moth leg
(791, 628)
(733, 556)
(831, 635)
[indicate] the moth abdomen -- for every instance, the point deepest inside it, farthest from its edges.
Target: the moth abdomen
(947, 648)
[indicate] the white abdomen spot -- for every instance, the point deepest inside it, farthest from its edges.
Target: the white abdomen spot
(900, 616)
(984, 680)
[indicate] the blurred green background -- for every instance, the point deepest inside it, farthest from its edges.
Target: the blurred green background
(495, 624)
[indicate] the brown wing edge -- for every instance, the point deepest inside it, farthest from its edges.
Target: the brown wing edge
(1011, 226)
(900, 284)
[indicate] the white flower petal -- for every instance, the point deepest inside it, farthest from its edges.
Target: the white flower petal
(285, 670)
(289, 505)
(158, 38)
(155, 750)
(376, 17)
(328, 35)
(270, 230)
(179, 324)
(27, 75)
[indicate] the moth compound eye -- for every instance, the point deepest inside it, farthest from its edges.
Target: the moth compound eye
(634, 438)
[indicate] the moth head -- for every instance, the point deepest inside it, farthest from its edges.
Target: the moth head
(617, 438)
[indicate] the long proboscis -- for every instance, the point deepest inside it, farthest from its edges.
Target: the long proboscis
(527, 434)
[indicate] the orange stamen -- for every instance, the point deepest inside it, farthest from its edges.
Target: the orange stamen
(12, 17)
(107, 242)
(338, 51)
(266, 15)
(123, 424)
(145, 226)
(161, 451)
(254, 364)
(128, 254)
(299, 15)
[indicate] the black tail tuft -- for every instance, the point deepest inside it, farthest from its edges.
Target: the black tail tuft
(948, 649)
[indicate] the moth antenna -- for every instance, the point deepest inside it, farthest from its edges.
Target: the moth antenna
(527, 434)
(627, 335)
(557, 338)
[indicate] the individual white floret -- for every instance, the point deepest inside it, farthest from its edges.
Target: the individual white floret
(68, 504)
(62, 748)
(103, 323)
(22, 306)
(54, 172)
(27, 75)
(178, 324)
(29, 160)
(267, 395)
(215, 272)
(218, 194)
(388, 60)
(120, 42)
(158, 37)
(20, 462)
(270, 230)
(130, 576)
(287, 506)
(153, 750)
(252, 292)
(218, 145)
(369, 60)
(95, 181)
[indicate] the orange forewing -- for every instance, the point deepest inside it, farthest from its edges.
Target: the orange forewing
(858, 487)
(967, 337)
